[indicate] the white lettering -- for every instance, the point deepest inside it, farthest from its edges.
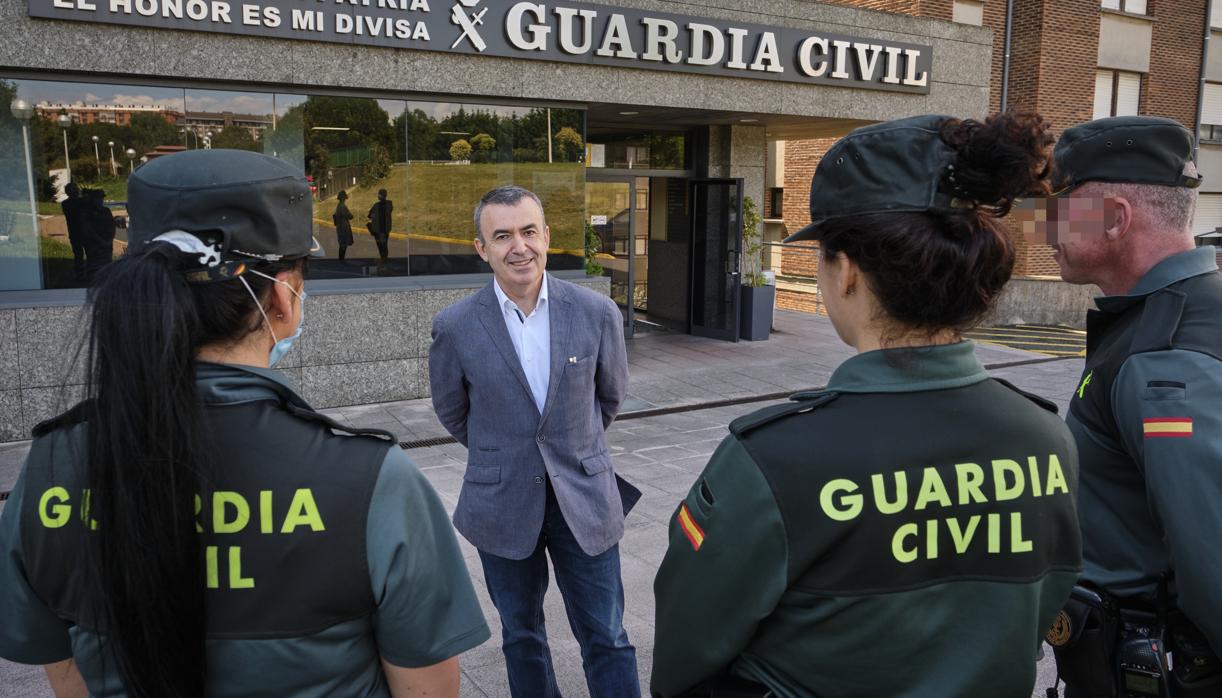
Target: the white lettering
(811, 65)
(343, 24)
(304, 20)
(422, 5)
(220, 12)
(716, 44)
(910, 58)
(250, 15)
(736, 48)
(171, 8)
(867, 63)
(616, 36)
(767, 55)
(421, 32)
(659, 34)
(842, 59)
(197, 10)
(892, 76)
(537, 31)
(124, 6)
(148, 8)
(567, 44)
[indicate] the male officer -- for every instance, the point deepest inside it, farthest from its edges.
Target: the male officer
(1147, 413)
(527, 374)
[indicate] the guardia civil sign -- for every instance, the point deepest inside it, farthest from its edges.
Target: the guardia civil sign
(570, 32)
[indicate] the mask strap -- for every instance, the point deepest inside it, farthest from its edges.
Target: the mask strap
(267, 323)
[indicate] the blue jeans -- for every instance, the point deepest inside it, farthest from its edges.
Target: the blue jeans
(593, 596)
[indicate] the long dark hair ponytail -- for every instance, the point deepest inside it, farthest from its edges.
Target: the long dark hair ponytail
(147, 457)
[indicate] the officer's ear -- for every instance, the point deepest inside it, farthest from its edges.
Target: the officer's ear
(1117, 217)
(849, 277)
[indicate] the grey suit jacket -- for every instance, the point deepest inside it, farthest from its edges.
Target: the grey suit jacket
(482, 398)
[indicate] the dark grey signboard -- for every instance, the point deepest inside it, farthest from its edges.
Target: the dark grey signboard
(569, 32)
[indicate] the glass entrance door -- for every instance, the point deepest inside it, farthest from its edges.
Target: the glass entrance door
(609, 209)
(717, 233)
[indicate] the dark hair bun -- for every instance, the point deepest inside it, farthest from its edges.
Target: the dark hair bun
(1002, 159)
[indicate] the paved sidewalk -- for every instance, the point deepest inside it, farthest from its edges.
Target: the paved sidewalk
(660, 454)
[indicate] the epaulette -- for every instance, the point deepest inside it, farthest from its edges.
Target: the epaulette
(79, 413)
(802, 402)
(1041, 401)
(312, 416)
(1159, 319)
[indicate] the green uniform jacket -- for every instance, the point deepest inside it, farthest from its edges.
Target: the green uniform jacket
(324, 552)
(911, 531)
(1147, 417)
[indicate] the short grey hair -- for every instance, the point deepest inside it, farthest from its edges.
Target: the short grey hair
(1173, 206)
(505, 195)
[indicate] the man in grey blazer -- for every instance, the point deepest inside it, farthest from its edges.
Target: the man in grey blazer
(528, 373)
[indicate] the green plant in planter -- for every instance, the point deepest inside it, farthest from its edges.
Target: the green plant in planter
(753, 245)
(593, 268)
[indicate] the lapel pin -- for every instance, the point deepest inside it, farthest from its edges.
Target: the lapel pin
(572, 359)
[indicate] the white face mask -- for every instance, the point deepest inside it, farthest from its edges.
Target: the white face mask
(282, 346)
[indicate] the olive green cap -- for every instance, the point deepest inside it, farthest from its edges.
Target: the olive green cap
(892, 167)
(1132, 149)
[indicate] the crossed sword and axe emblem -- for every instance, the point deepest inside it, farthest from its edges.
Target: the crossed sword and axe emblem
(468, 23)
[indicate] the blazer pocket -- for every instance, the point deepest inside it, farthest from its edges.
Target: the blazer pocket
(483, 474)
(594, 465)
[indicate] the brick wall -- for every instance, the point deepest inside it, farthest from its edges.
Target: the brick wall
(938, 9)
(798, 300)
(1170, 89)
(801, 158)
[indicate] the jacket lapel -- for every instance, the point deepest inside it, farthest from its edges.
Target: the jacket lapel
(560, 322)
(494, 322)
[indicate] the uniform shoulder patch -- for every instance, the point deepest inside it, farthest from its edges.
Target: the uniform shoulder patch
(1041, 401)
(802, 402)
(312, 416)
(77, 414)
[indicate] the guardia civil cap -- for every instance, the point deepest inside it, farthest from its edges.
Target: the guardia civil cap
(243, 206)
(893, 167)
(1134, 149)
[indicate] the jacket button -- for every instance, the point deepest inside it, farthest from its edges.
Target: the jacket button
(541, 438)
(538, 480)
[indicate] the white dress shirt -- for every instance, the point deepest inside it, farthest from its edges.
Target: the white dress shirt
(532, 340)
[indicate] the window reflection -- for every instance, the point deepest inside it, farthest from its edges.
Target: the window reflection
(631, 151)
(432, 160)
(84, 141)
(457, 152)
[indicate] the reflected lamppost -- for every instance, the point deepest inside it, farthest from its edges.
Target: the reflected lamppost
(131, 158)
(192, 132)
(111, 145)
(23, 111)
(208, 141)
(64, 122)
(97, 157)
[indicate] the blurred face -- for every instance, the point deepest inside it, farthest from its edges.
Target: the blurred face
(513, 240)
(1075, 226)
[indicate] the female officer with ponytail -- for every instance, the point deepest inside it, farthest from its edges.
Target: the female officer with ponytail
(194, 528)
(910, 530)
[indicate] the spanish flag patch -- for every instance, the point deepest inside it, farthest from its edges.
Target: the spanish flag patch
(1167, 427)
(694, 533)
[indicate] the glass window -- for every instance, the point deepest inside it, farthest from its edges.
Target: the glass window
(89, 135)
(394, 183)
(1117, 93)
(631, 151)
(1137, 7)
(457, 152)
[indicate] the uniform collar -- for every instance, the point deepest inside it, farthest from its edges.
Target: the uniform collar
(235, 384)
(909, 370)
(1177, 267)
(507, 304)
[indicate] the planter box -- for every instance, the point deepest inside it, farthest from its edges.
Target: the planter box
(756, 308)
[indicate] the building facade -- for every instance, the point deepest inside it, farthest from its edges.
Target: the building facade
(1070, 60)
(642, 126)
